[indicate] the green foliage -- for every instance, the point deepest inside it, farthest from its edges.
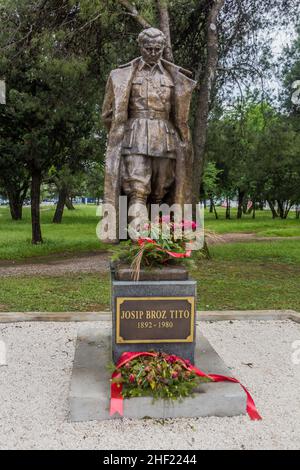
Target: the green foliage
(56, 56)
(94, 180)
(211, 179)
(258, 151)
(51, 118)
(64, 178)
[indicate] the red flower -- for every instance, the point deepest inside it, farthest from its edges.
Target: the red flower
(171, 359)
(174, 375)
(189, 224)
(131, 378)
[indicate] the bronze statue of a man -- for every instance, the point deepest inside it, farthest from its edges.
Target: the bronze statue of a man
(145, 110)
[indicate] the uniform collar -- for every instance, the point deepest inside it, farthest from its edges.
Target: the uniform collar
(144, 64)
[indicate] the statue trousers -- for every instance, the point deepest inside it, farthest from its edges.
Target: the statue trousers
(147, 179)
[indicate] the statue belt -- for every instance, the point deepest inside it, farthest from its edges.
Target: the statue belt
(149, 114)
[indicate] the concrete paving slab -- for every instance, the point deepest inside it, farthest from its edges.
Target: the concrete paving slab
(90, 384)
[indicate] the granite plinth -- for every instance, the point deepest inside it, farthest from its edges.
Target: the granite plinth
(146, 290)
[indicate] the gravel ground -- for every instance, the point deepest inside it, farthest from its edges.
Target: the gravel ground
(34, 393)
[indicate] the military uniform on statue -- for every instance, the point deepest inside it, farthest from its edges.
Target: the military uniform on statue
(145, 109)
(149, 145)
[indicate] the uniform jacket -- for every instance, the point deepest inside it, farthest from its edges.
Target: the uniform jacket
(115, 117)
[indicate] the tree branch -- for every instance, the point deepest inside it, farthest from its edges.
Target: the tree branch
(88, 23)
(164, 22)
(204, 96)
(133, 12)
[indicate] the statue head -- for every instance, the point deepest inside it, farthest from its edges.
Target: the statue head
(152, 42)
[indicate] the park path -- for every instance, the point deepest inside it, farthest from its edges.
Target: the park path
(98, 262)
(56, 265)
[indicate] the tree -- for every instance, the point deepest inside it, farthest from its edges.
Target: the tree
(52, 90)
(210, 183)
(14, 178)
(94, 179)
(212, 38)
(258, 150)
(56, 55)
(65, 183)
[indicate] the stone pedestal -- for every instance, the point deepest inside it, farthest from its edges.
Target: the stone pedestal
(89, 397)
(154, 314)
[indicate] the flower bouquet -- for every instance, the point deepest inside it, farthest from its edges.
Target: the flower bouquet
(166, 245)
(159, 375)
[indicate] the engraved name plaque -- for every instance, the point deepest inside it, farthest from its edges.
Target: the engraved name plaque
(155, 319)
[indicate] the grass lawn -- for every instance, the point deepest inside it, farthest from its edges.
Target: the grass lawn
(262, 225)
(254, 275)
(77, 233)
(264, 275)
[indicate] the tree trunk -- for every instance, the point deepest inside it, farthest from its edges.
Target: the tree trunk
(245, 205)
(36, 179)
(241, 195)
(273, 210)
(205, 250)
(211, 205)
(227, 214)
(16, 196)
(297, 212)
(284, 208)
(57, 218)
(69, 204)
(164, 24)
(204, 96)
(215, 212)
(287, 209)
(16, 208)
(280, 209)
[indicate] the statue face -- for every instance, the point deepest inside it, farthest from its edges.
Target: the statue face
(152, 51)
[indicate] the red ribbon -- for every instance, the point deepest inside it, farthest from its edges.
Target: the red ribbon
(143, 240)
(116, 400)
